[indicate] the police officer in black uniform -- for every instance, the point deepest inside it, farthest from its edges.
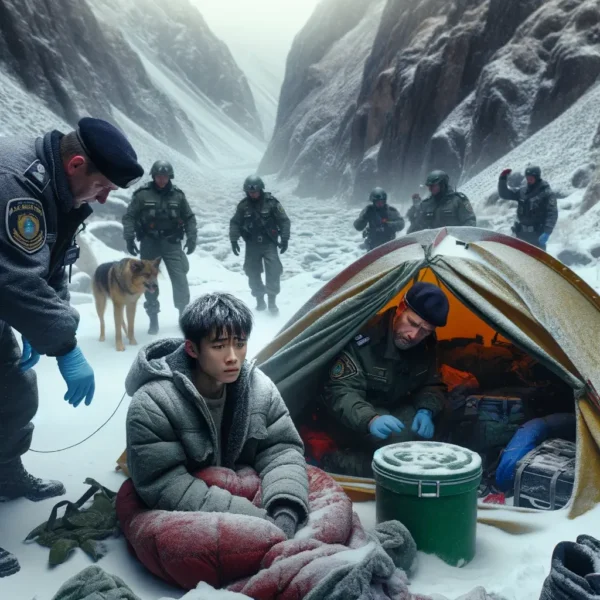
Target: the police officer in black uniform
(46, 186)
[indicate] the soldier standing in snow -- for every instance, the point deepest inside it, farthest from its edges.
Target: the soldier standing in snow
(411, 215)
(160, 215)
(46, 185)
(381, 221)
(537, 211)
(444, 207)
(260, 219)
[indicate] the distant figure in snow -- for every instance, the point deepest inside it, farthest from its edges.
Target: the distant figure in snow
(444, 207)
(378, 221)
(46, 187)
(537, 210)
(197, 403)
(260, 220)
(411, 215)
(159, 215)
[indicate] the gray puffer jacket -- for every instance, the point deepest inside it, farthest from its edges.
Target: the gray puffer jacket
(170, 435)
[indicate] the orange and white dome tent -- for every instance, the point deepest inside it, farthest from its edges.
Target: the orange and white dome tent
(495, 283)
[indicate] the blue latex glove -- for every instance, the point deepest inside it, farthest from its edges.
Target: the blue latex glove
(78, 376)
(543, 239)
(423, 423)
(29, 357)
(382, 427)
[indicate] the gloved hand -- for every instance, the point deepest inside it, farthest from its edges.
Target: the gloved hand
(236, 248)
(287, 523)
(381, 427)
(543, 239)
(423, 423)
(190, 246)
(29, 357)
(506, 173)
(78, 376)
(283, 246)
(132, 248)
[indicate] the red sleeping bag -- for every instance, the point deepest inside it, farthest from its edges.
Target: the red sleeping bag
(184, 548)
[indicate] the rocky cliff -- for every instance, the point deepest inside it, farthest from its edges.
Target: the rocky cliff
(452, 85)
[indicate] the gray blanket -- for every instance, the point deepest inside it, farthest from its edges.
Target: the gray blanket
(94, 583)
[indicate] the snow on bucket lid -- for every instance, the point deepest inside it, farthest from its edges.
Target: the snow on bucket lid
(427, 459)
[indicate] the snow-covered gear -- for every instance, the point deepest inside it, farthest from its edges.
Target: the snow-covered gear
(533, 172)
(29, 358)
(93, 583)
(527, 437)
(153, 327)
(260, 302)
(9, 565)
(438, 178)
(170, 434)
(378, 195)
(272, 304)
(247, 555)
(79, 377)
(253, 183)
(382, 427)
(79, 527)
(162, 167)
(423, 424)
(429, 302)
(16, 482)
(574, 572)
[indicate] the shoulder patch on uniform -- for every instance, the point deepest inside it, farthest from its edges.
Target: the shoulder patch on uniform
(26, 224)
(361, 339)
(343, 368)
(37, 176)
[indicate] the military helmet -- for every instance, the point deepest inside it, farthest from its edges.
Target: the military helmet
(162, 167)
(378, 195)
(439, 177)
(254, 183)
(533, 172)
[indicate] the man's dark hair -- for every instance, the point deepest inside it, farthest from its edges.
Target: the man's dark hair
(212, 315)
(70, 146)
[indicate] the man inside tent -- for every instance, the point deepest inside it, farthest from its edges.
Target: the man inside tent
(385, 386)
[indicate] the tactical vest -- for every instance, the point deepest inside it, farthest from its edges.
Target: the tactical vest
(531, 210)
(160, 212)
(259, 224)
(441, 213)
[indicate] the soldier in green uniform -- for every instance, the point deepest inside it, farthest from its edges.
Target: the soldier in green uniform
(385, 386)
(260, 220)
(378, 221)
(444, 207)
(159, 215)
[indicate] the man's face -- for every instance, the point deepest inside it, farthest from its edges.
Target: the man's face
(409, 328)
(161, 181)
(254, 194)
(221, 357)
(530, 179)
(434, 189)
(379, 204)
(86, 187)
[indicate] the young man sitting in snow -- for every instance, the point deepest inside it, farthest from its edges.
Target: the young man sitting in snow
(197, 403)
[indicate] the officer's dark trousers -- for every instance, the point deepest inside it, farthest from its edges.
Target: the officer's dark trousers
(256, 254)
(531, 237)
(18, 399)
(177, 265)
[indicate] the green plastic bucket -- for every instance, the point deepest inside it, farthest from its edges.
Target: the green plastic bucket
(430, 487)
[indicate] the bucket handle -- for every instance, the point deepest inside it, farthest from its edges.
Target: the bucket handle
(435, 494)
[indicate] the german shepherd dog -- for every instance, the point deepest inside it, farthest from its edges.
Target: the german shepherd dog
(123, 281)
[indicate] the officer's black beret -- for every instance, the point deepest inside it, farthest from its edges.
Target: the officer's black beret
(110, 151)
(429, 302)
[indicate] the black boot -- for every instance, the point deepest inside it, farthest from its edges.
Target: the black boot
(153, 329)
(272, 306)
(260, 303)
(9, 565)
(16, 482)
